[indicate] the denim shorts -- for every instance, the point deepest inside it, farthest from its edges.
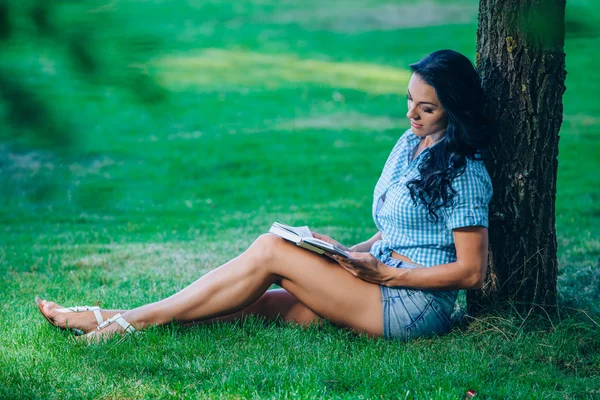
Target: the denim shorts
(412, 313)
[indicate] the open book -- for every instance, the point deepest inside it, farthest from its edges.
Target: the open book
(302, 237)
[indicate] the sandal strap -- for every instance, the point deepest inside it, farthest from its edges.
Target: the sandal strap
(95, 309)
(124, 324)
(98, 316)
(118, 318)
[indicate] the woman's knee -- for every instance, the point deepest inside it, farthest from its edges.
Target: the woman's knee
(266, 247)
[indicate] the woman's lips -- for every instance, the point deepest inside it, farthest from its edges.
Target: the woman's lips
(415, 125)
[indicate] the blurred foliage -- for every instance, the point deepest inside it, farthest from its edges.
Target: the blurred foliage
(62, 44)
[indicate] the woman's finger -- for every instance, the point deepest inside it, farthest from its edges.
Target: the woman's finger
(358, 266)
(338, 258)
(349, 264)
(353, 272)
(344, 264)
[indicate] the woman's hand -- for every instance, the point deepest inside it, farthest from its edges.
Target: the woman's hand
(366, 267)
(330, 241)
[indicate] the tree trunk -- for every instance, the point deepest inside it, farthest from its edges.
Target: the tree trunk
(521, 60)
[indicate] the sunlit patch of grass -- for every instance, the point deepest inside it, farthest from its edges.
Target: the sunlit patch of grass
(343, 121)
(235, 68)
(146, 270)
(364, 16)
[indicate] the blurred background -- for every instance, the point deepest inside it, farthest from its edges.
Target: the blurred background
(131, 121)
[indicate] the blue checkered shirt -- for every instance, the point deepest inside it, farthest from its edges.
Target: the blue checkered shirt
(404, 225)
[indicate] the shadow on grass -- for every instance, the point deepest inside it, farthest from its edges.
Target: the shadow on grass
(565, 337)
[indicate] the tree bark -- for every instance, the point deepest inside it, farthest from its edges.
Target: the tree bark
(521, 60)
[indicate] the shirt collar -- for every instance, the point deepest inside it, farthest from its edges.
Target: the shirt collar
(411, 138)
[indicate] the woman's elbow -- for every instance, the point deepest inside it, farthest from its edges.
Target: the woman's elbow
(475, 279)
(475, 282)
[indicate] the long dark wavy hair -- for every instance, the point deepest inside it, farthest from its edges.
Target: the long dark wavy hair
(458, 89)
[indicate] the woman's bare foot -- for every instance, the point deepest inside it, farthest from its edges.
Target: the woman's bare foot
(84, 321)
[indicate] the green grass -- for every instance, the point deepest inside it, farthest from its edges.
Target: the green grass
(271, 110)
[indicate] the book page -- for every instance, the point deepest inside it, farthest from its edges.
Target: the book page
(303, 231)
(302, 237)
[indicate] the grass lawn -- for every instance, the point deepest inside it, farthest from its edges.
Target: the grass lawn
(269, 110)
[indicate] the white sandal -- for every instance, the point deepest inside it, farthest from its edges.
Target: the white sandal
(76, 309)
(118, 318)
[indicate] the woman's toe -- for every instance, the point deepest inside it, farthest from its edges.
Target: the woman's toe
(49, 309)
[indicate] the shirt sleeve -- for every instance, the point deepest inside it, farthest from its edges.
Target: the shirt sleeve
(472, 198)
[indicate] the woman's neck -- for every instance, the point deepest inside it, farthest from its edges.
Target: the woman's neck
(428, 141)
(432, 139)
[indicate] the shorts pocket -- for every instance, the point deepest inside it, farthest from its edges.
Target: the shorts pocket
(432, 321)
(441, 313)
(416, 303)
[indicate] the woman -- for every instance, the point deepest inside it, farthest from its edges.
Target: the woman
(430, 207)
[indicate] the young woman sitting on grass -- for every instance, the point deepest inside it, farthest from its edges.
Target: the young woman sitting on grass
(431, 211)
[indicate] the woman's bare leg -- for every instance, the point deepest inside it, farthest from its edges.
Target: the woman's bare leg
(276, 303)
(321, 284)
(273, 304)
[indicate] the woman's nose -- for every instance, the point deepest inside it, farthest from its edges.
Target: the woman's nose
(412, 114)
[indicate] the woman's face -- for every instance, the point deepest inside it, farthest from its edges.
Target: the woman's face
(426, 114)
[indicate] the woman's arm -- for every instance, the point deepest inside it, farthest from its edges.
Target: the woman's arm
(467, 272)
(366, 246)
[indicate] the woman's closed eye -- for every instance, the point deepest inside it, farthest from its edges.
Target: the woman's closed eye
(427, 110)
